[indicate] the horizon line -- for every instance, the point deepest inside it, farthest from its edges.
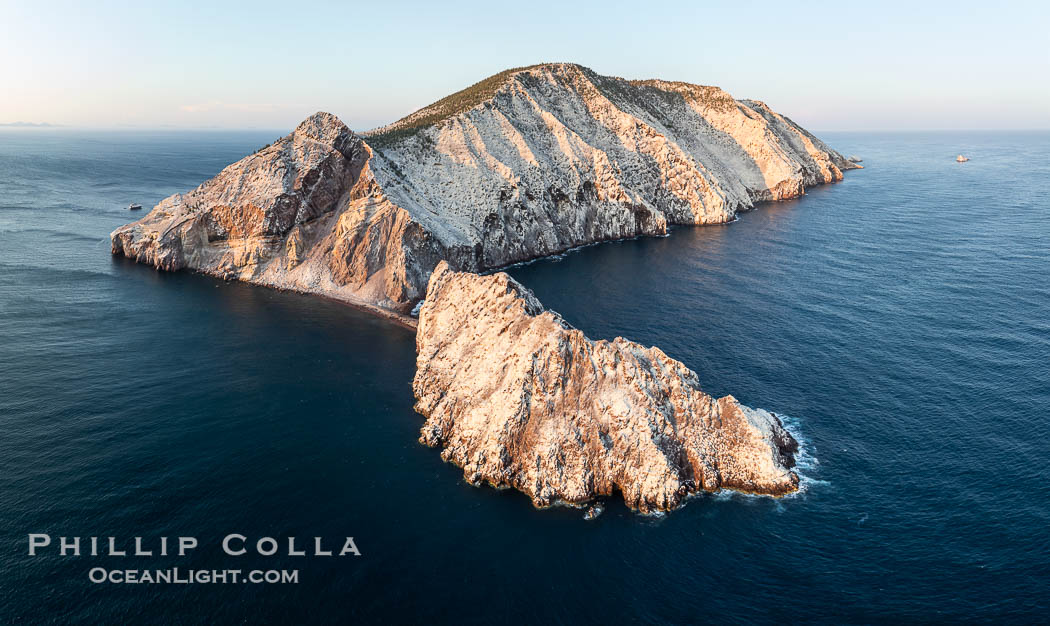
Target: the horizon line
(46, 126)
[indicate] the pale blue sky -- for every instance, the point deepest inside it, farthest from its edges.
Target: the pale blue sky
(834, 65)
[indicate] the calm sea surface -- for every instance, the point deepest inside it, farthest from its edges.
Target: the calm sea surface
(899, 318)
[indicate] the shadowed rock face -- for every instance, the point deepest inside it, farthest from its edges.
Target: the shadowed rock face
(531, 163)
(517, 397)
(252, 203)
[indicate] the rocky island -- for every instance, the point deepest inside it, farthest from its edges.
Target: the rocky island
(519, 398)
(525, 164)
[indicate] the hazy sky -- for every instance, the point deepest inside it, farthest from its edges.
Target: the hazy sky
(840, 65)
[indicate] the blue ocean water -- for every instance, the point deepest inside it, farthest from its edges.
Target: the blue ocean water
(899, 319)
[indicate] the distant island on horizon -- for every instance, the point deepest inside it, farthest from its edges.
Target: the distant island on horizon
(29, 125)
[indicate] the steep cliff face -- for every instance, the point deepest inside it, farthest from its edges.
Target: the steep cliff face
(517, 397)
(527, 163)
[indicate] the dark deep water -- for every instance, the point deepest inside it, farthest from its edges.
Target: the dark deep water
(900, 319)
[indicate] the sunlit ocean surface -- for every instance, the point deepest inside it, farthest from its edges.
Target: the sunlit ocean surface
(898, 320)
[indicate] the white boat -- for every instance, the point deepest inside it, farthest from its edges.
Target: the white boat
(134, 207)
(961, 159)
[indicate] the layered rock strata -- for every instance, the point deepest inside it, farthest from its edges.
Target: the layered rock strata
(519, 398)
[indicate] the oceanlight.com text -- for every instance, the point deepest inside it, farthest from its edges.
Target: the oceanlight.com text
(179, 576)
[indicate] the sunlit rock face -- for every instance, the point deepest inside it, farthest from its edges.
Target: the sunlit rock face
(518, 398)
(525, 164)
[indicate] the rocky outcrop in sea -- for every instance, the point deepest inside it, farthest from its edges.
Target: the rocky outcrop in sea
(525, 164)
(519, 398)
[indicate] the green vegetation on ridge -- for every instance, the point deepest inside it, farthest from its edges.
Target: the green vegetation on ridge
(457, 103)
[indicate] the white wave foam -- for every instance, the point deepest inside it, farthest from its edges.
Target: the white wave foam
(807, 465)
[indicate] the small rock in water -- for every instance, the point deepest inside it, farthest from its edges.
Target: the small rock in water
(593, 512)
